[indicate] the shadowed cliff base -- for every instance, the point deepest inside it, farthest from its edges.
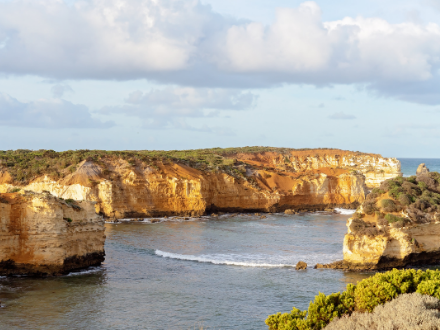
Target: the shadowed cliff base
(10, 267)
(386, 263)
(134, 184)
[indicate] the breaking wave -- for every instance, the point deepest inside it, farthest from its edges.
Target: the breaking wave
(344, 211)
(250, 260)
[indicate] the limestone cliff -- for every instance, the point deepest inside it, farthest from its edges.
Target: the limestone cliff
(398, 225)
(260, 181)
(43, 235)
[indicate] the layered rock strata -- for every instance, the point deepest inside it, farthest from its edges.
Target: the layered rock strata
(397, 226)
(44, 235)
(254, 182)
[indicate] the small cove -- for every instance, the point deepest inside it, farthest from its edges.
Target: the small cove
(222, 273)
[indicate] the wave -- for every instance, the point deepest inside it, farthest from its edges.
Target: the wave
(218, 259)
(248, 260)
(344, 211)
(90, 270)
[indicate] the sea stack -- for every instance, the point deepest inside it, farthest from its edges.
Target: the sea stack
(422, 169)
(43, 235)
(398, 225)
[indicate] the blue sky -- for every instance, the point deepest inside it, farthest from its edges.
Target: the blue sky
(184, 74)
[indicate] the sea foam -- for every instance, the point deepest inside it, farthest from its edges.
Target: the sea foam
(247, 260)
(344, 211)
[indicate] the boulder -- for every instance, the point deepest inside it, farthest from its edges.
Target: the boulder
(301, 265)
(289, 211)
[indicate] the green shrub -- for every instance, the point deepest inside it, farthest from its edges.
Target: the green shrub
(14, 190)
(404, 199)
(387, 202)
(406, 312)
(363, 297)
(395, 192)
(378, 191)
(393, 218)
(430, 287)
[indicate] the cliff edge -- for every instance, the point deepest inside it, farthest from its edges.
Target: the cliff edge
(397, 225)
(126, 184)
(44, 235)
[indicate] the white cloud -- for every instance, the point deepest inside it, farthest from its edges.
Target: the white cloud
(341, 116)
(169, 107)
(184, 42)
(52, 114)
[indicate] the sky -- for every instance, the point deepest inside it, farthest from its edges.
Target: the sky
(186, 74)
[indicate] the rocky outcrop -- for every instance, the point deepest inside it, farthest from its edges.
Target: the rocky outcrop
(254, 182)
(44, 235)
(422, 169)
(398, 225)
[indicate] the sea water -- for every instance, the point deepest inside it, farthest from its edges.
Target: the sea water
(228, 272)
(409, 165)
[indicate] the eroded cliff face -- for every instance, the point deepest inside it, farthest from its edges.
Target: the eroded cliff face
(397, 225)
(257, 182)
(395, 247)
(43, 235)
(375, 167)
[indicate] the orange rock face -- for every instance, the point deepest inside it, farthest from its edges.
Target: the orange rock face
(260, 182)
(43, 235)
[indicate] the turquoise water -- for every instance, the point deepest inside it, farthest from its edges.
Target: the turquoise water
(409, 165)
(220, 273)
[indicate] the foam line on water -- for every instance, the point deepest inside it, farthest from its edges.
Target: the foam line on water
(218, 260)
(344, 211)
(91, 270)
(249, 260)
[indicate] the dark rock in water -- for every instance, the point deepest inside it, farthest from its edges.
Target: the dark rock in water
(263, 217)
(214, 215)
(319, 266)
(422, 169)
(154, 220)
(301, 265)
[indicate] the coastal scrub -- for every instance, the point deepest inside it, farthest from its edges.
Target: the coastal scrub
(363, 298)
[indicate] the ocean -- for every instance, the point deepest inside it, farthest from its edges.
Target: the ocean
(409, 165)
(229, 272)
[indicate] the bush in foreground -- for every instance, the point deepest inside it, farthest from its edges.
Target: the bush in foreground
(406, 312)
(363, 297)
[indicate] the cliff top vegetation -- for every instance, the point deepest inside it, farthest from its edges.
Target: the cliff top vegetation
(403, 201)
(23, 165)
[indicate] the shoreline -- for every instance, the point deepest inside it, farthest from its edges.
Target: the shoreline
(155, 220)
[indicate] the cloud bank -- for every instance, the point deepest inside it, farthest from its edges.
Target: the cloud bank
(50, 114)
(169, 107)
(186, 43)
